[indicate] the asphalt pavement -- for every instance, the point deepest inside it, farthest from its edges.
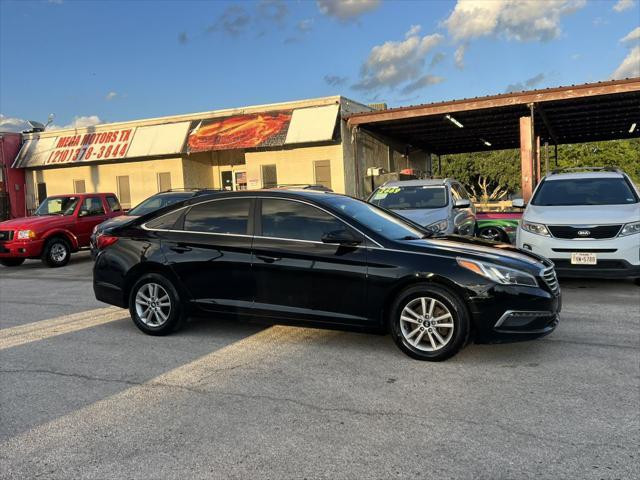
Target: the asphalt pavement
(84, 394)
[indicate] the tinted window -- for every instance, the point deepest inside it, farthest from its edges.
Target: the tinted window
(114, 204)
(91, 206)
(295, 220)
(222, 216)
(166, 221)
(390, 226)
(158, 201)
(584, 191)
(406, 198)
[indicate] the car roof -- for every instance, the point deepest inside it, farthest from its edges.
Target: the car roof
(280, 193)
(418, 183)
(583, 175)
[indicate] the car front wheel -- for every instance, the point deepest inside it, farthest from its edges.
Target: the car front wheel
(56, 253)
(155, 306)
(429, 322)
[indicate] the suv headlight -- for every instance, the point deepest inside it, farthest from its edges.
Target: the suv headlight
(499, 274)
(630, 229)
(26, 234)
(536, 228)
(440, 226)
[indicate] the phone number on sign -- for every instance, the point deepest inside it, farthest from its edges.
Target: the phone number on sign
(88, 153)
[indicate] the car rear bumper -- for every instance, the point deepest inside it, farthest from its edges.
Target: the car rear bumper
(18, 249)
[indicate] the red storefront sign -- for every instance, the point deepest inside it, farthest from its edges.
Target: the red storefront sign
(94, 146)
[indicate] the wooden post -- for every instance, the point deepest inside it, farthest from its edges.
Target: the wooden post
(526, 157)
(538, 177)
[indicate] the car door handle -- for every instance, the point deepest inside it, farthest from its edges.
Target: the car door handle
(268, 259)
(180, 249)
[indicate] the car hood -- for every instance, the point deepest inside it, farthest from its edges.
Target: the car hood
(473, 247)
(582, 214)
(424, 216)
(35, 222)
(115, 221)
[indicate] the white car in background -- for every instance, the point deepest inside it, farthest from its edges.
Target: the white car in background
(587, 222)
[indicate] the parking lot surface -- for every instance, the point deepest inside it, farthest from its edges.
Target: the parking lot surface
(84, 394)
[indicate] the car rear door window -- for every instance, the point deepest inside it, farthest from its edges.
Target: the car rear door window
(296, 221)
(220, 216)
(114, 204)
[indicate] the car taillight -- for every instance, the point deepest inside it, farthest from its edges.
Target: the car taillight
(105, 240)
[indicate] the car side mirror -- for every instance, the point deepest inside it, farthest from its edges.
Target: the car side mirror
(518, 203)
(83, 213)
(462, 203)
(341, 237)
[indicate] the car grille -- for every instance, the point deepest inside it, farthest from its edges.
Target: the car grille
(595, 231)
(6, 235)
(549, 276)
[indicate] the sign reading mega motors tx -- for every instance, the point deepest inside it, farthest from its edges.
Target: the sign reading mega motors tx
(94, 146)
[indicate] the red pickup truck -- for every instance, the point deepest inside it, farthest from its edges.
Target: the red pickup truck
(61, 224)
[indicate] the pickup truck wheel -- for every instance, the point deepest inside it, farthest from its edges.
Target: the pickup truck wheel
(56, 253)
(11, 262)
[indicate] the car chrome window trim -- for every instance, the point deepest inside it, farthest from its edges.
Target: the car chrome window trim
(144, 225)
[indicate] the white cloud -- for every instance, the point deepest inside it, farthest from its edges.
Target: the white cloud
(632, 36)
(630, 66)
(420, 83)
(623, 5)
(526, 85)
(522, 20)
(346, 10)
(111, 96)
(12, 124)
(396, 62)
(458, 56)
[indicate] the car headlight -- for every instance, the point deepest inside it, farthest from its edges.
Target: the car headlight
(499, 274)
(630, 229)
(440, 226)
(536, 228)
(26, 235)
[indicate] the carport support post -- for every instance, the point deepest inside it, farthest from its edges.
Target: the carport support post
(526, 157)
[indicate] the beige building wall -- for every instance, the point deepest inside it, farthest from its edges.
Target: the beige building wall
(143, 179)
(296, 165)
(197, 171)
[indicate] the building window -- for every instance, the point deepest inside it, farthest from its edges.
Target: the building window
(323, 173)
(79, 186)
(164, 181)
(124, 191)
(269, 176)
(42, 192)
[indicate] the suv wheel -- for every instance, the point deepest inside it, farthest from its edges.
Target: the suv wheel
(56, 253)
(429, 322)
(11, 262)
(155, 305)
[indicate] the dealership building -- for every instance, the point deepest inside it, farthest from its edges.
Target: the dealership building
(301, 142)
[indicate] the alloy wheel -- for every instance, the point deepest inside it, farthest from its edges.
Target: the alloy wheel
(153, 305)
(426, 324)
(491, 233)
(58, 252)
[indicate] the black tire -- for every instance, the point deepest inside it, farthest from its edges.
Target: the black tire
(174, 315)
(56, 253)
(445, 300)
(11, 262)
(494, 233)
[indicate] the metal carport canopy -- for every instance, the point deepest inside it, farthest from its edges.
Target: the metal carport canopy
(573, 114)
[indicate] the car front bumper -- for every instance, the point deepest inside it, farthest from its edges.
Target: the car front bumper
(21, 249)
(617, 257)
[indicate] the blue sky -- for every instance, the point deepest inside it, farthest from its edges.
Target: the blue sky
(103, 61)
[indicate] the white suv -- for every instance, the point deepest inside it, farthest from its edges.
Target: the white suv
(586, 222)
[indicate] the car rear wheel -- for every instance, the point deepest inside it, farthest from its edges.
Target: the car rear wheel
(493, 233)
(11, 262)
(428, 322)
(56, 253)
(155, 305)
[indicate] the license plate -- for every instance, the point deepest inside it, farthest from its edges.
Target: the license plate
(581, 258)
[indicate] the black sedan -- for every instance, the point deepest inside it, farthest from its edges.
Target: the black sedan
(323, 259)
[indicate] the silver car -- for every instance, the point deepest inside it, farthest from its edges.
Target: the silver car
(442, 206)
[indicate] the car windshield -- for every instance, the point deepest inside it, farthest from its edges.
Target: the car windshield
(388, 225)
(584, 191)
(410, 197)
(156, 202)
(57, 206)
